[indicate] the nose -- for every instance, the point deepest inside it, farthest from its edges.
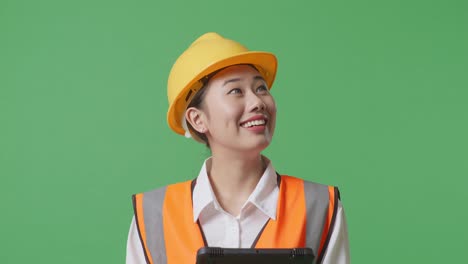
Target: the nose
(256, 103)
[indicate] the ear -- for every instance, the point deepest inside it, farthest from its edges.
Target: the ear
(195, 117)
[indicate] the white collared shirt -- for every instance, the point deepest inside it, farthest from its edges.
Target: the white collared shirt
(222, 229)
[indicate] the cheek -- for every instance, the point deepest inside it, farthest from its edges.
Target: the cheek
(271, 106)
(225, 114)
(232, 113)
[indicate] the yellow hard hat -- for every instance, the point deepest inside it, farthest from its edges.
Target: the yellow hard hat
(208, 53)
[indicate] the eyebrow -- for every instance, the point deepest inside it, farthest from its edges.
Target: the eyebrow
(256, 77)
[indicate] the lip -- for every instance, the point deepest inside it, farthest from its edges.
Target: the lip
(255, 117)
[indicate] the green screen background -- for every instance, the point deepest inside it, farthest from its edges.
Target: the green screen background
(372, 97)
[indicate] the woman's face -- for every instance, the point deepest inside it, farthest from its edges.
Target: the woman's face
(238, 111)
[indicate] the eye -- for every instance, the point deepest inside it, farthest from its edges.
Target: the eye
(261, 89)
(235, 91)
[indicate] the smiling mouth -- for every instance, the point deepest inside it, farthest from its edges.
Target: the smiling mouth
(253, 123)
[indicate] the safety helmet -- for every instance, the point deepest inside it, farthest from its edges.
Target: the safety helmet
(207, 54)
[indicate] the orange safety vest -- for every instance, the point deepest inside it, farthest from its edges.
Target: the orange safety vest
(305, 218)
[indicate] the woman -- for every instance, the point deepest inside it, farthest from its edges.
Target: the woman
(219, 94)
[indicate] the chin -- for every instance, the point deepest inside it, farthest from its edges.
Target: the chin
(259, 145)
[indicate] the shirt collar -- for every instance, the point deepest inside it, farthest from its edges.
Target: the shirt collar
(264, 196)
(203, 194)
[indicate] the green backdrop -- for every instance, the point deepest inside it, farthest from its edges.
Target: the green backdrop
(372, 97)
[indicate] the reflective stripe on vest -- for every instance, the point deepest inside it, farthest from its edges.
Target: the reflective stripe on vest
(305, 217)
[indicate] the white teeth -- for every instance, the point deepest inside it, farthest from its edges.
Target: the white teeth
(254, 123)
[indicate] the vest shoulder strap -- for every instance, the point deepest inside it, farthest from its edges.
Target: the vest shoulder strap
(148, 209)
(160, 235)
(321, 200)
(305, 216)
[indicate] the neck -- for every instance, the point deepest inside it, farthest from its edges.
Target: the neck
(233, 177)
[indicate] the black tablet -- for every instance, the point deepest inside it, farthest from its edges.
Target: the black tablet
(216, 255)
